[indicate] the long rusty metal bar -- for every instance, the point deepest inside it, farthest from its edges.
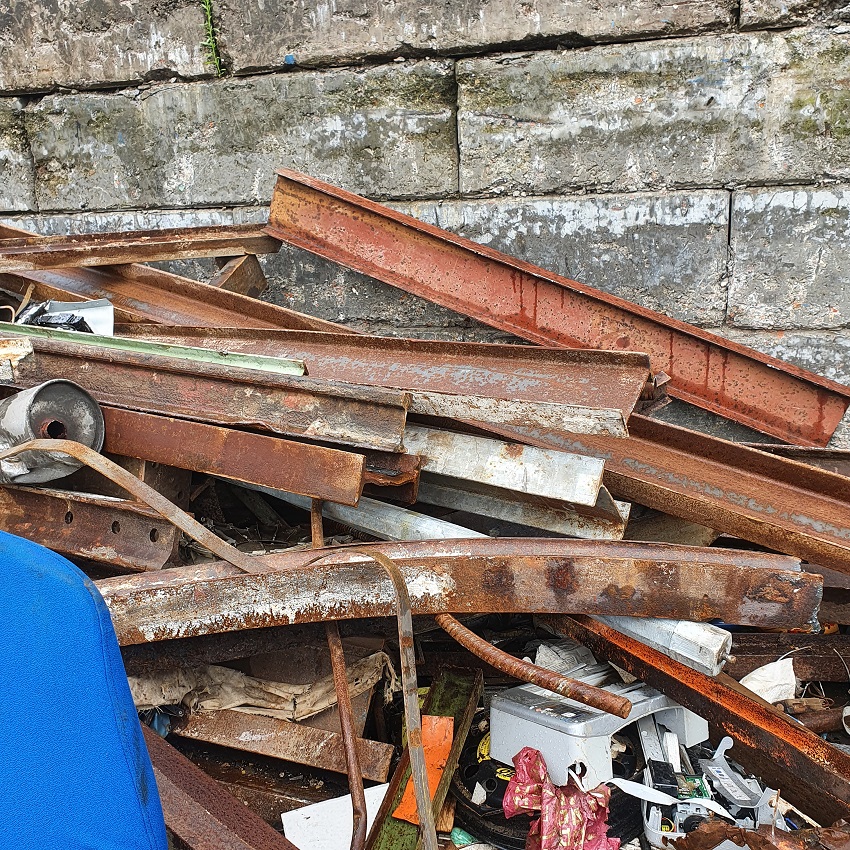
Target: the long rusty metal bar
(141, 246)
(517, 372)
(309, 470)
(527, 672)
(349, 737)
(706, 370)
(144, 294)
(780, 503)
(365, 416)
(464, 577)
(117, 532)
(283, 739)
(199, 811)
(811, 773)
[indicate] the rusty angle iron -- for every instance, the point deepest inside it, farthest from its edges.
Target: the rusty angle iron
(706, 370)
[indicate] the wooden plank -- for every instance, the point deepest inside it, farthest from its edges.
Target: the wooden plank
(286, 740)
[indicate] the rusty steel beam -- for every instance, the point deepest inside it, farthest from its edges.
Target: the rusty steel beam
(144, 294)
(812, 774)
(242, 275)
(774, 501)
(29, 253)
(706, 370)
(517, 372)
(117, 532)
(284, 739)
(199, 811)
(463, 577)
(309, 470)
(365, 416)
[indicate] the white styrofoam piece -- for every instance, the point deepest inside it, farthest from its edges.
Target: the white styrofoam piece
(327, 825)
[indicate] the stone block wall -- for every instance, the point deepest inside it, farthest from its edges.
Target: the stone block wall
(693, 157)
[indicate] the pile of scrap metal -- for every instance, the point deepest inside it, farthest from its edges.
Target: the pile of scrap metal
(216, 452)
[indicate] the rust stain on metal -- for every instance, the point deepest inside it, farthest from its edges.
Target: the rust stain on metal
(775, 501)
(198, 809)
(284, 739)
(706, 370)
(516, 372)
(812, 774)
(118, 532)
(142, 246)
(449, 576)
(302, 468)
(338, 412)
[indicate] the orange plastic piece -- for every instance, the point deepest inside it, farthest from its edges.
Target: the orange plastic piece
(437, 735)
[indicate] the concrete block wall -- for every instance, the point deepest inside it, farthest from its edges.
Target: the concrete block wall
(693, 157)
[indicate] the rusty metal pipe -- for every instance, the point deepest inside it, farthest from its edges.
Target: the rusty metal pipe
(349, 736)
(519, 669)
(410, 692)
(144, 493)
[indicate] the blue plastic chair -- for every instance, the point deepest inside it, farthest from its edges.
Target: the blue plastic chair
(74, 769)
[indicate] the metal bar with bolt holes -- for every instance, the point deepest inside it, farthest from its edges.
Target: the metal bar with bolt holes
(285, 404)
(516, 372)
(199, 811)
(464, 577)
(145, 494)
(705, 370)
(29, 253)
(242, 456)
(118, 532)
(777, 502)
(527, 672)
(812, 774)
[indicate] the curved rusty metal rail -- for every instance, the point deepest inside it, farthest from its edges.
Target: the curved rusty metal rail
(527, 672)
(144, 493)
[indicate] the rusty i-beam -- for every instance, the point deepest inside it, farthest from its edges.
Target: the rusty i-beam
(809, 772)
(464, 577)
(706, 370)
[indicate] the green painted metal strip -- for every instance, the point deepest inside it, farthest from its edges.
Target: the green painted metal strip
(258, 362)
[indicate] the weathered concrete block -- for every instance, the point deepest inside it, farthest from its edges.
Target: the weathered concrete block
(257, 34)
(667, 252)
(61, 42)
(16, 173)
(384, 131)
(791, 258)
(781, 13)
(709, 111)
(825, 353)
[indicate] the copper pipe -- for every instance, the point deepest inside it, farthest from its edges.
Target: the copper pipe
(519, 669)
(349, 736)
